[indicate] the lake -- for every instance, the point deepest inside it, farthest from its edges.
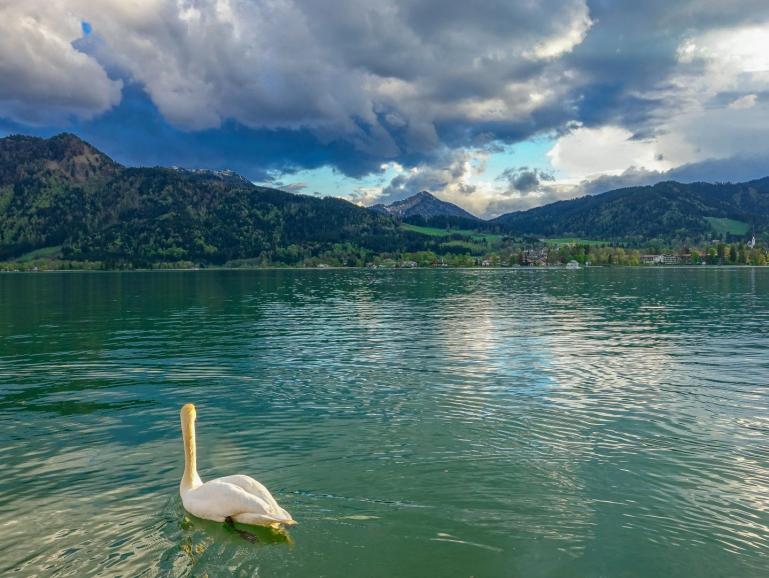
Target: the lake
(521, 423)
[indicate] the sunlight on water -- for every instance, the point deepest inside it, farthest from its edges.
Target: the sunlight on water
(605, 422)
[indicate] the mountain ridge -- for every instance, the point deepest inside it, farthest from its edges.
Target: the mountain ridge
(64, 157)
(664, 211)
(63, 193)
(425, 205)
(668, 209)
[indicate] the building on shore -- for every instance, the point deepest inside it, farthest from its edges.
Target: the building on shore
(535, 257)
(665, 259)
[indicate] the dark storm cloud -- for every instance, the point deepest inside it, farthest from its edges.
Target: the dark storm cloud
(145, 140)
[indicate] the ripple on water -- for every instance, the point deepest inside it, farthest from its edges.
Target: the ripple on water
(606, 423)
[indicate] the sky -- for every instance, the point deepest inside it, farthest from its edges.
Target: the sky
(495, 105)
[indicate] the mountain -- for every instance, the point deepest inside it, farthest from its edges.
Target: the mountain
(423, 205)
(63, 195)
(63, 158)
(45, 188)
(665, 211)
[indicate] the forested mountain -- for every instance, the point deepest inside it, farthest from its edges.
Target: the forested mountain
(28, 162)
(61, 192)
(665, 211)
(425, 206)
(47, 188)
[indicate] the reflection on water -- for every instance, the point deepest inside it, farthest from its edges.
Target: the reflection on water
(605, 422)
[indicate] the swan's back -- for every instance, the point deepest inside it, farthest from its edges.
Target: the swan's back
(238, 497)
(250, 485)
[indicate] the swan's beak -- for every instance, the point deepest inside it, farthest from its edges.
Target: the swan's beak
(188, 411)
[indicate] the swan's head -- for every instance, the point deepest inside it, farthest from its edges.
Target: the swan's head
(188, 412)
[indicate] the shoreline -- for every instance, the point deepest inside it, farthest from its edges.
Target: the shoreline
(330, 268)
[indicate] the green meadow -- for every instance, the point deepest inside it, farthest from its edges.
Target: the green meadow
(724, 226)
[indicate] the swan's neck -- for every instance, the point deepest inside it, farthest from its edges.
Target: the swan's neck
(190, 479)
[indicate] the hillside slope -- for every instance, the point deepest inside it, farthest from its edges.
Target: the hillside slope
(63, 192)
(665, 211)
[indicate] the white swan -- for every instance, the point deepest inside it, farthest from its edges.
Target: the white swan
(239, 498)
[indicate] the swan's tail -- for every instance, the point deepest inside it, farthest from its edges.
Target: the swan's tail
(285, 518)
(281, 519)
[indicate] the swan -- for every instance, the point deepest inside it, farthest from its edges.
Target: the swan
(236, 498)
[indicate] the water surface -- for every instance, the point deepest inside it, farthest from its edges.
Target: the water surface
(603, 422)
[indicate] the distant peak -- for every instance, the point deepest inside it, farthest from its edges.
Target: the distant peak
(224, 174)
(423, 204)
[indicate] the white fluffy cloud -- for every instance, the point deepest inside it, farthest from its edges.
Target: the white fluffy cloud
(707, 106)
(586, 152)
(42, 76)
(729, 51)
(743, 102)
(381, 74)
(565, 41)
(723, 73)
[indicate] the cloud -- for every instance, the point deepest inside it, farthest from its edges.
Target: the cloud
(389, 77)
(289, 187)
(43, 76)
(524, 180)
(743, 102)
(610, 150)
(696, 97)
(562, 43)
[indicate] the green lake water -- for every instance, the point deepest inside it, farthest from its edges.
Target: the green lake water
(521, 423)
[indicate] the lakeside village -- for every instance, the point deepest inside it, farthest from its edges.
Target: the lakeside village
(578, 254)
(571, 254)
